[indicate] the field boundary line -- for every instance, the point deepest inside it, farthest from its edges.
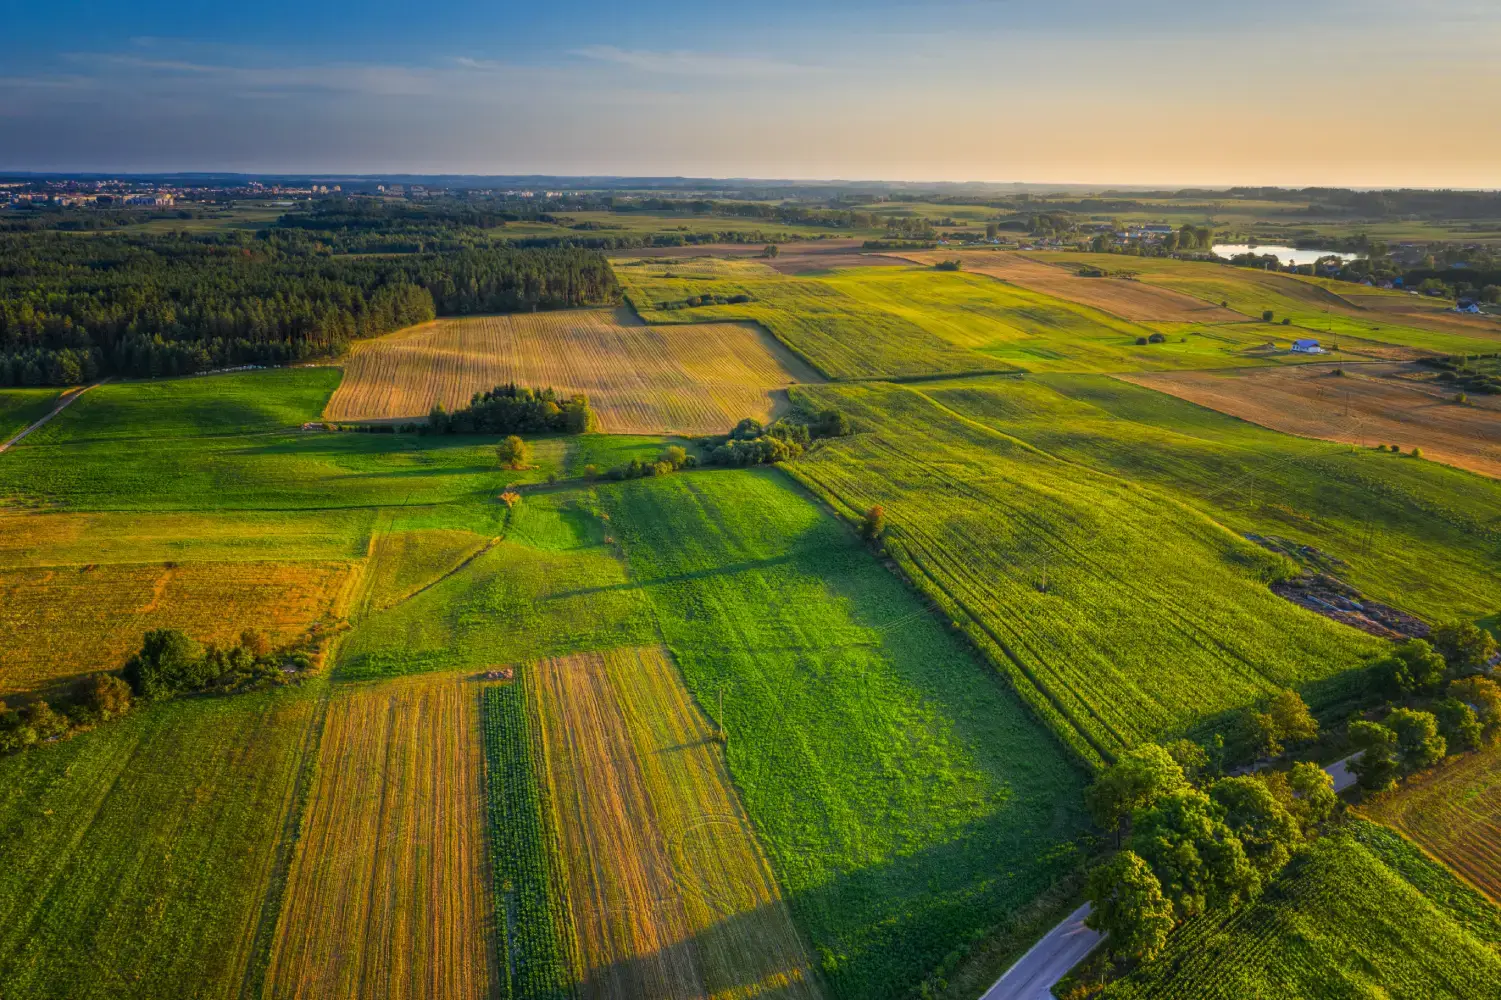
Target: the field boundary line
(252, 987)
(63, 402)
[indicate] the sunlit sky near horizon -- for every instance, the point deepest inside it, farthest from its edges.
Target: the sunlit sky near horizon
(1347, 92)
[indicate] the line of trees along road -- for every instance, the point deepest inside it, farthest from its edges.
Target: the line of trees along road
(73, 308)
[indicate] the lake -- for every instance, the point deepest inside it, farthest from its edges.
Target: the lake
(1285, 255)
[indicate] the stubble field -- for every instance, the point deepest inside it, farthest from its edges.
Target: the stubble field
(57, 622)
(388, 893)
(1454, 812)
(1369, 405)
(670, 894)
(697, 379)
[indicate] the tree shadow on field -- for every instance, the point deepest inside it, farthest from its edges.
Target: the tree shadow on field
(880, 930)
(728, 569)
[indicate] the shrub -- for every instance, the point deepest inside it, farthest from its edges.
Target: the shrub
(873, 525)
(1416, 452)
(1141, 342)
(103, 696)
(513, 452)
(948, 265)
(1156, 338)
(1266, 316)
(1286, 321)
(591, 471)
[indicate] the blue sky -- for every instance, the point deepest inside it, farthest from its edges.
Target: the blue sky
(1366, 92)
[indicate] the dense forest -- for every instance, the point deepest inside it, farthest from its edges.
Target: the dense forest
(73, 308)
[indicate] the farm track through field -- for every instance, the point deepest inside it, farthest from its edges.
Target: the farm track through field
(691, 379)
(63, 402)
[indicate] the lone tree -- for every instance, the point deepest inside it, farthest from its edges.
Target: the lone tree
(1128, 905)
(873, 525)
(770, 251)
(513, 452)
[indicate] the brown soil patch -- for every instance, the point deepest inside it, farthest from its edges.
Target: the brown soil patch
(1373, 404)
(688, 379)
(1130, 300)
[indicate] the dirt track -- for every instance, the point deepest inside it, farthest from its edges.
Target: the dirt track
(1372, 404)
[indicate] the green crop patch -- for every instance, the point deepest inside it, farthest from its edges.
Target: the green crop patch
(1417, 535)
(548, 586)
(20, 408)
(236, 403)
(1337, 923)
(134, 859)
(1119, 613)
(837, 334)
(905, 797)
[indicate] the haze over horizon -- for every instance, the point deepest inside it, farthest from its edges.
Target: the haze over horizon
(1362, 94)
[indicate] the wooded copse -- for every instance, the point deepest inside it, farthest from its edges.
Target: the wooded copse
(72, 309)
(513, 409)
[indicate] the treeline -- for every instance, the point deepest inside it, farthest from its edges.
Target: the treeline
(138, 305)
(512, 409)
(168, 664)
(749, 443)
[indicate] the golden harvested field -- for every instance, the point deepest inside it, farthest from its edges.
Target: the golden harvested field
(1454, 812)
(671, 896)
(1372, 404)
(689, 379)
(59, 622)
(1130, 300)
(387, 895)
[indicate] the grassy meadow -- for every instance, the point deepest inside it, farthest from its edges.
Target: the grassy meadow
(903, 794)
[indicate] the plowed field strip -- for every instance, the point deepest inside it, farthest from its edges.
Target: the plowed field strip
(691, 379)
(670, 893)
(387, 896)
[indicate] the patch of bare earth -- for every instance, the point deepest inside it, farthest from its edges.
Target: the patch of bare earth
(1371, 404)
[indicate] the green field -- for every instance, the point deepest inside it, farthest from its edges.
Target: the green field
(1340, 922)
(1309, 305)
(903, 794)
(840, 336)
(20, 408)
(1418, 535)
(134, 859)
(1119, 613)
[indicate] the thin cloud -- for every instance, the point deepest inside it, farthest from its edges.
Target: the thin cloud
(692, 64)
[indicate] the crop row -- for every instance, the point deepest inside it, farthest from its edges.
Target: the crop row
(535, 940)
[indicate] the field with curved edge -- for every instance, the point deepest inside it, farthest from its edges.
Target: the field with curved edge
(1454, 812)
(698, 379)
(669, 891)
(388, 894)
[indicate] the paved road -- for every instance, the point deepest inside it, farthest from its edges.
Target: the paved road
(1033, 975)
(63, 402)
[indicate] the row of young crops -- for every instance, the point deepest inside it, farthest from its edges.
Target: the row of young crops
(1119, 614)
(534, 926)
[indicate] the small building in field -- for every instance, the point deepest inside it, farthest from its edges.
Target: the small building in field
(1307, 347)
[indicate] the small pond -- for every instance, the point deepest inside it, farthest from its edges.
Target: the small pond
(1285, 255)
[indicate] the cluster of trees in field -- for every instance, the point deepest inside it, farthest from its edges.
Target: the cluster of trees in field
(167, 664)
(71, 309)
(513, 409)
(1439, 701)
(1193, 841)
(754, 443)
(1474, 373)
